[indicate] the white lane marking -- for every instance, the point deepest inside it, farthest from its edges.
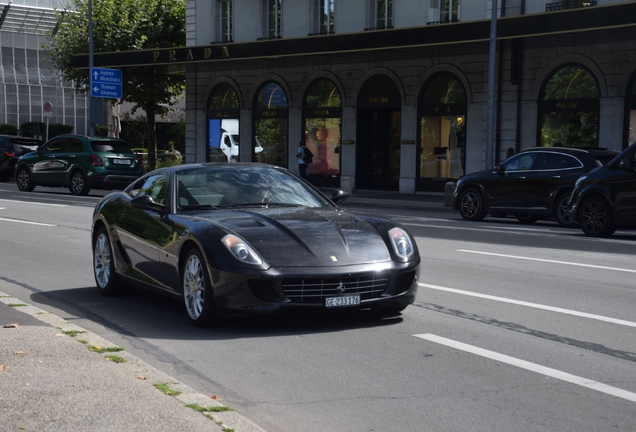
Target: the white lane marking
(533, 367)
(36, 203)
(27, 222)
(549, 261)
(418, 218)
(532, 305)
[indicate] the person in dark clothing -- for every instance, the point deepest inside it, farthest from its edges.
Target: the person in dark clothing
(302, 165)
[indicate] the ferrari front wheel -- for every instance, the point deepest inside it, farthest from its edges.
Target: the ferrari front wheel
(198, 293)
(104, 265)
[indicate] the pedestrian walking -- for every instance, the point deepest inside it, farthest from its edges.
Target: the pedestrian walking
(304, 156)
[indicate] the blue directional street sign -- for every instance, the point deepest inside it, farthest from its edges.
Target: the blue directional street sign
(106, 83)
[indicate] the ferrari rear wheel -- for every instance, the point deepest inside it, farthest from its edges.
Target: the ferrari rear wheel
(198, 293)
(104, 265)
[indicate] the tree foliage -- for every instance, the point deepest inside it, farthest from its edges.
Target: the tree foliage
(124, 25)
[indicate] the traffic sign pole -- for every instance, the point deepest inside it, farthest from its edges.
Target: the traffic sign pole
(48, 112)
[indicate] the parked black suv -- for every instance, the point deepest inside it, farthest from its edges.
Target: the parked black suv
(535, 183)
(604, 200)
(11, 148)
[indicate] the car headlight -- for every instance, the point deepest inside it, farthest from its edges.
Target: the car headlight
(401, 242)
(241, 250)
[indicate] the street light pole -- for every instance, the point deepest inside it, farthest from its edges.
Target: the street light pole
(490, 128)
(91, 123)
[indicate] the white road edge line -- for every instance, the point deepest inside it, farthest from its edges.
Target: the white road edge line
(548, 261)
(35, 203)
(533, 367)
(27, 222)
(532, 305)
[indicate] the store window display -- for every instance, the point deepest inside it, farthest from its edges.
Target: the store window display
(322, 117)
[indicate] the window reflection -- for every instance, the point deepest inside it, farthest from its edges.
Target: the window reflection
(569, 108)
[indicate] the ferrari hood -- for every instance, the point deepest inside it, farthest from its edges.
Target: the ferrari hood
(301, 236)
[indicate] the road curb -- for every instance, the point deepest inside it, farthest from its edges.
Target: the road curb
(140, 370)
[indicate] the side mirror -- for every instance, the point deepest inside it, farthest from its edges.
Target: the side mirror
(502, 170)
(339, 196)
(145, 202)
(627, 165)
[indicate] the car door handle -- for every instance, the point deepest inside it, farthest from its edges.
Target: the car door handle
(556, 177)
(521, 178)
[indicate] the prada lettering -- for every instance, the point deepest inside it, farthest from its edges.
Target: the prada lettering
(185, 55)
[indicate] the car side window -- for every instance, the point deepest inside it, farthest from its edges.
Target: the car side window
(74, 145)
(556, 161)
(55, 147)
(520, 162)
(155, 186)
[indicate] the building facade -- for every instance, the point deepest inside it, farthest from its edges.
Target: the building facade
(393, 94)
(26, 77)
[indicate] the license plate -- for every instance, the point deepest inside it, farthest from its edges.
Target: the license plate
(344, 301)
(121, 161)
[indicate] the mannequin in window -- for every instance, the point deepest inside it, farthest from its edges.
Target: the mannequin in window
(320, 164)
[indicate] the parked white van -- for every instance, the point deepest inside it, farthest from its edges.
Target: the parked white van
(229, 141)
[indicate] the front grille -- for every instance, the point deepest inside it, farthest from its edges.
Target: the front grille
(316, 290)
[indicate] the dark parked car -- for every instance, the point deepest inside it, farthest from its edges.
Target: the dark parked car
(247, 238)
(534, 184)
(11, 148)
(80, 163)
(604, 200)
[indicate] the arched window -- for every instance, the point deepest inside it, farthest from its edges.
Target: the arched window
(442, 125)
(223, 124)
(322, 113)
(270, 125)
(569, 108)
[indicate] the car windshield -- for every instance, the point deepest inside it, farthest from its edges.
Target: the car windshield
(111, 147)
(243, 186)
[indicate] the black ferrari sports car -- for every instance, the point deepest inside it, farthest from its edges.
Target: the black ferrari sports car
(248, 238)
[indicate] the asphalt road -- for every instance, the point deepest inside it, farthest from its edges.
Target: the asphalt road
(515, 328)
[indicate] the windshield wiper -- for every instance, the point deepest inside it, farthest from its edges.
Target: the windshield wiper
(264, 204)
(199, 207)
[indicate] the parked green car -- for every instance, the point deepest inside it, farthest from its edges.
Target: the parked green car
(80, 163)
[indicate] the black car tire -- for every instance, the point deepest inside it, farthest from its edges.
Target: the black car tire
(23, 180)
(107, 281)
(471, 205)
(526, 219)
(596, 218)
(198, 292)
(560, 211)
(78, 184)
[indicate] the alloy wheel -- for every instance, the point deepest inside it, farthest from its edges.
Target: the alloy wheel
(194, 286)
(102, 261)
(471, 206)
(595, 218)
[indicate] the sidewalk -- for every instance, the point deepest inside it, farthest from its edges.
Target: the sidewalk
(56, 376)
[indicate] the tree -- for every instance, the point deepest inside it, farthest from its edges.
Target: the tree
(124, 25)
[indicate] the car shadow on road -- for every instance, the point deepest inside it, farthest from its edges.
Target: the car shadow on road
(146, 314)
